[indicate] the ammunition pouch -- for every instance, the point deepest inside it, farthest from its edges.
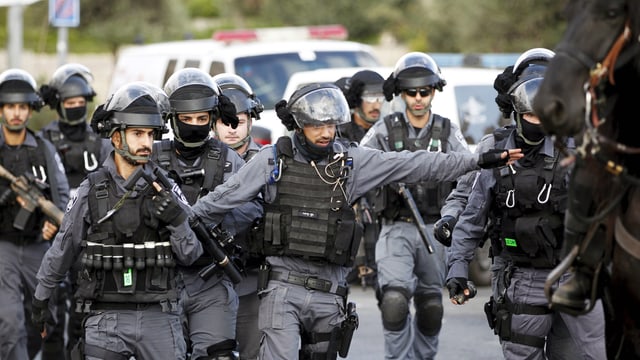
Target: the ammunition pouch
(263, 276)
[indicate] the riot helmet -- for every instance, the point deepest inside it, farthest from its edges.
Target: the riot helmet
(134, 105)
(17, 87)
(529, 70)
(319, 104)
(69, 81)
(413, 70)
(241, 95)
(239, 91)
(191, 90)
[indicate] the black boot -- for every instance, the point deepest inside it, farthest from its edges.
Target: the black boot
(573, 295)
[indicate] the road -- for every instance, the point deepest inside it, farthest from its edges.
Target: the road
(464, 335)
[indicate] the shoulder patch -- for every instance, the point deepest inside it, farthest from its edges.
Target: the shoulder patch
(72, 200)
(175, 189)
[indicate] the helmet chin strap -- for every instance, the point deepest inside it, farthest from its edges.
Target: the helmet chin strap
(63, 115)
(14, 128)
(126, 154)
(365, 117)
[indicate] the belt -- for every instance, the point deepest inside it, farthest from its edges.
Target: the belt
(309, 282)
(164, 306)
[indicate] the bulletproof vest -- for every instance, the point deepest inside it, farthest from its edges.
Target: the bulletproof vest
(528, 212)
(430, 196)
(30, 162)
(309, 218)
(127, 257)
(195, 181)
(79, 158)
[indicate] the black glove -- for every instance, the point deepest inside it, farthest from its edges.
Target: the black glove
(227, 111)
(40, 314)
(167, 209)
(456, 288)
(443, 228)
(493, 158)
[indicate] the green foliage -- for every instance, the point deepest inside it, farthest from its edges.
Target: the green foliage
(203, 8)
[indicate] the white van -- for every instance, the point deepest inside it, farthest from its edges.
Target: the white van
(266, 58)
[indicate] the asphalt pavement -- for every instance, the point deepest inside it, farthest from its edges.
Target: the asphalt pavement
(464, 335)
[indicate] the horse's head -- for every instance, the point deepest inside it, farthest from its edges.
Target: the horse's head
(589, 44)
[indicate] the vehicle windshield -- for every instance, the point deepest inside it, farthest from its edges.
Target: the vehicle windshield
(268, 75)
(477, 111)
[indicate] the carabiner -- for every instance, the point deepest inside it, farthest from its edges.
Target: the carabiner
(94, 162)
(511, 198)
(43, 174)
(542, 193)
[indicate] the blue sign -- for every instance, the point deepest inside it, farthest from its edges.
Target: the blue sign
(64, 13)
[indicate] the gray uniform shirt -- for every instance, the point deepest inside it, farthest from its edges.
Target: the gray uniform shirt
(470, 227)
(66, 246)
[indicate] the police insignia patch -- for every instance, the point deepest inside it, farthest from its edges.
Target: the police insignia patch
(72, 201)
(178, 193)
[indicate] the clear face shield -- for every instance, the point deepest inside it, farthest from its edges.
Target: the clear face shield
(320, 107)
(522, 96)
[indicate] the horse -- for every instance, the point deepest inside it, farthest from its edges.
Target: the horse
(590, 91)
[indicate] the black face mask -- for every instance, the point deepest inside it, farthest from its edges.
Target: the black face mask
(74, 115)
(309, 150)
(73, 132)
(532, 132)
(192, 133)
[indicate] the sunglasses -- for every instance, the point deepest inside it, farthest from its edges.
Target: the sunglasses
(424, 92)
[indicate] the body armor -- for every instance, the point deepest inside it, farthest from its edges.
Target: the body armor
(309, 218)
(196, 180)
(430, 196)
(127, 258)
(20, 161)
(529, 206)
(79, 158)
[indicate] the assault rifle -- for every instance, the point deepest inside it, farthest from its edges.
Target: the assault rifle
(210, 240)
(27, 189)
(415, 213)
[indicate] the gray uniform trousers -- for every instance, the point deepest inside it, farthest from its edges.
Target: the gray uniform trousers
(18, 267)
(404, 262)
(247, 331)
(287, 309)
(527, 287)
(148, 333)
(209, 310)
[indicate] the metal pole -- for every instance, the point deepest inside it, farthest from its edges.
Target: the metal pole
(14, 30)
(62, 45)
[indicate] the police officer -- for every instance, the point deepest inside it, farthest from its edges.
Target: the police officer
(129, 235)
(404, 271)
(525, 203)
(23, 240)
(209, 305)
(364, 96)
(309, 182)
(82, 151)
(248, 108)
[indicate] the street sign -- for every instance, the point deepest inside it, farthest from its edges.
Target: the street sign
(64, 13)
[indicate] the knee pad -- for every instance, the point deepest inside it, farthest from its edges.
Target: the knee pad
(429, 313)
(394, 306)
(224, 350)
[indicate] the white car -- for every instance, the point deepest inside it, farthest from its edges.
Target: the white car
(265, 58)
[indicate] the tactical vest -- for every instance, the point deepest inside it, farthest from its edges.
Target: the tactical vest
(309, 218)
(195, 181)
(351, 131)
(31, 162)
(126, 258)
(528, 212)
(79, 158)
(430, 196)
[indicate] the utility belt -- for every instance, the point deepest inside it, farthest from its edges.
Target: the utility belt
(309, 282)
(127, 256)
(499, 313)
(88, 306)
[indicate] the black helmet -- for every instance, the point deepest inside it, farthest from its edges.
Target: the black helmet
(319, 103)
(191, 90)
(413, 70)
(68, 81)
(529, 69)
(18, 86)
(136, 104)
(362, 83)
(240, 93)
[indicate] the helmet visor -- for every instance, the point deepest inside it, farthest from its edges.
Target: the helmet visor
(522, 96)
(323, 106)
